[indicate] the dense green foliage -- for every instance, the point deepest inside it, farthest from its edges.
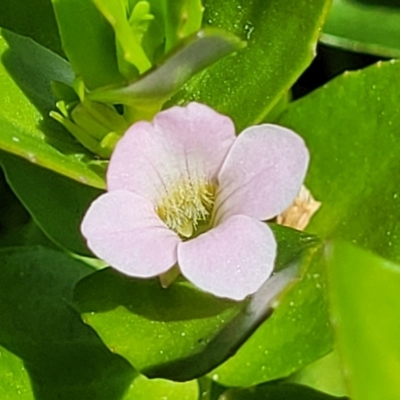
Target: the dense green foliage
(325, 326)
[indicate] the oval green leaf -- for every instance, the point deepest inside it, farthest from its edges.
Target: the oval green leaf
(352, 129)
(147, 324)
(369, 26)
(63, 357)
(26, 129)
(281, 37)
(180, 333)
(297, 333)
(364, 294)
(88, 41)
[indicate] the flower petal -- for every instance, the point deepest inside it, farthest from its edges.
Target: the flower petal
(262, 173)
(181, 142)
(123, 229)
(232, 260)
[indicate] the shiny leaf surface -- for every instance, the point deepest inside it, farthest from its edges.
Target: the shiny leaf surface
(250, 83)
(364, 294)
(25, 126)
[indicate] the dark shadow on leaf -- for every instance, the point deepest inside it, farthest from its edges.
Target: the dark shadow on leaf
(33, 18)
(64, 358)
(107, 289)
(278, 391)
(57, 203)
(394, 4)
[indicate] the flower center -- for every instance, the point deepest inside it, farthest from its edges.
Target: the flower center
(187, 206)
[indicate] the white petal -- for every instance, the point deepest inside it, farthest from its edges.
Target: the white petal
(123, 229)
(262, 173)
(182, 142)
(231, 260)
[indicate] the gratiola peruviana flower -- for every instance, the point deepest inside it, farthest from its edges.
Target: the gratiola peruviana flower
(185, 190)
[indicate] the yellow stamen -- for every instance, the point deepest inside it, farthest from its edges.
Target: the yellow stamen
(186, 205)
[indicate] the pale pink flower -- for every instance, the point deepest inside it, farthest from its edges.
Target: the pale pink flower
(185, 190)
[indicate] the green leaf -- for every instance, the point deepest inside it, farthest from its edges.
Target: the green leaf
(209, 389)
(297, 333)
(325, 375)
(228, 339)
(147, 324)
(180, 333)
(364, 294)
(117, 15)
(28, 234)
(154, 40)
(182, 19)
(277, 391)
(57, 204)
(33, 18)
(249, 84)
(365, 26)
(156, 389)
(88, 41)
(15, 383)
(352, 129)
(25, 126)
(196, 53)
(63, 357)
(291, 245)
(13, 215)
